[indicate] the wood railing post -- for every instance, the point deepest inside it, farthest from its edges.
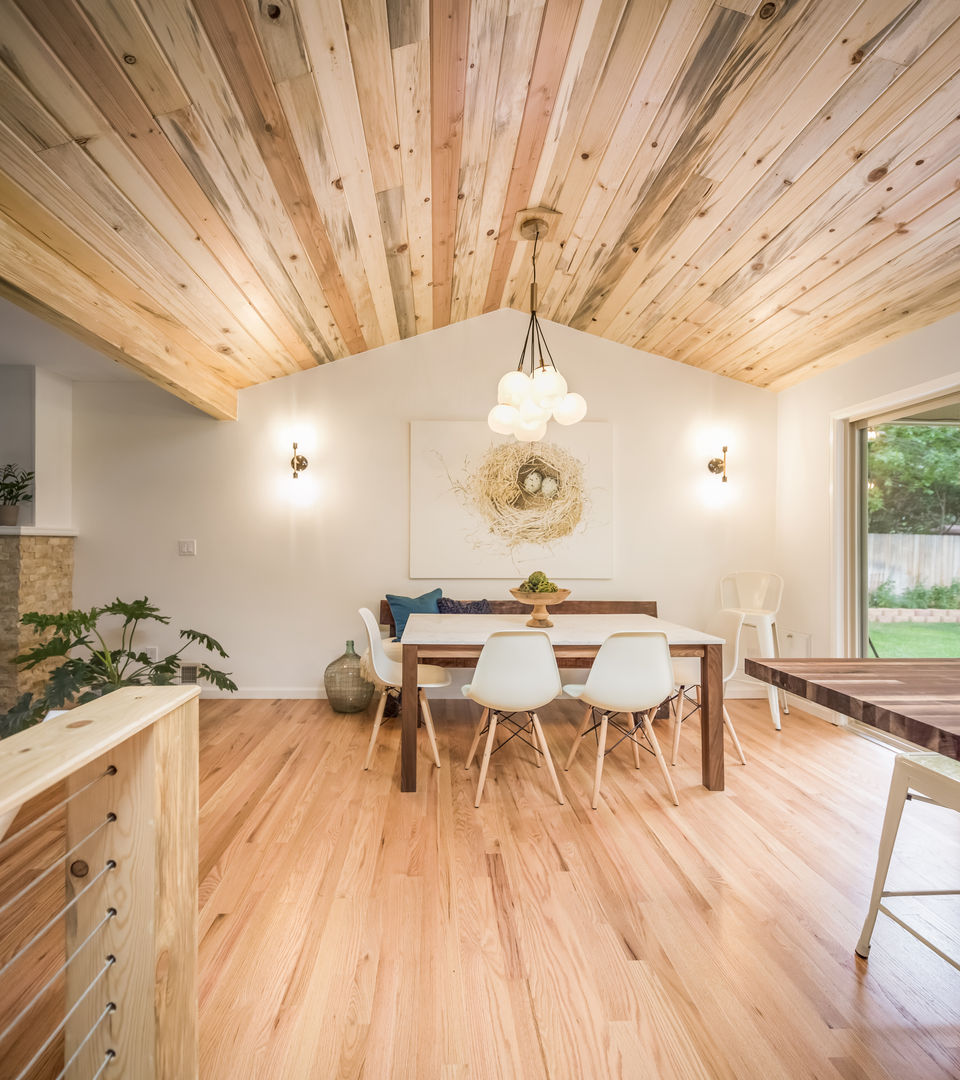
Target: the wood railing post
(153, 889)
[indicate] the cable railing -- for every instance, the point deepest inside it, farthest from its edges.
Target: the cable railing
(98, 891)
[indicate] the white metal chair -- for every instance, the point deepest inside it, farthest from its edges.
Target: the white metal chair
(758, 595)
(686, 674)
(631, 676)
(390, 673)
(516, 674)
(926, 777)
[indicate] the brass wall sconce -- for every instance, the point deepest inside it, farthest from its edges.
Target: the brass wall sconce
(718, 466)
(298, 462)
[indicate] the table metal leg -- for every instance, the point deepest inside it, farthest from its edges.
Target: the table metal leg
(711, 717)
(408, 720)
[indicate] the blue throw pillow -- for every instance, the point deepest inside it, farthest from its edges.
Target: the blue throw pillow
(446, 606)
(402, 607)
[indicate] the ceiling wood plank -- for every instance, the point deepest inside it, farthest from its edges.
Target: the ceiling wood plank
(808, 78)
(488, 21)
(755, 188)
(886, 208)
(556, 36)
(863, 112)
(411, 79)
(32, 268)
(302, 106)
(449, 45)
(34, 219)
(613, 115)
(227, 24)
(76, 46)
(328, 49)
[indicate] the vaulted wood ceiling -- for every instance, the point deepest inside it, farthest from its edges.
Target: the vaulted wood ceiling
(218, 192)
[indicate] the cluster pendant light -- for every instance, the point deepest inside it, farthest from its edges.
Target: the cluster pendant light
(527, 400)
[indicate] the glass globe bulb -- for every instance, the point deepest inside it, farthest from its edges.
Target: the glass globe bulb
(549, 386)
(529, 433)
(530, 412)
(571, 409)
(513, 388)
(503, 419)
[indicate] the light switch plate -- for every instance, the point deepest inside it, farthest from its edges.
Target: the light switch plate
(187, 547)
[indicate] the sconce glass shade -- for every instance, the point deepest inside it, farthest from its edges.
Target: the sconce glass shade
(514, 388)
(503, 419)
(571, 409)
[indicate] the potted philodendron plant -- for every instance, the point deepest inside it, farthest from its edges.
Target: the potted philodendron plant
(15, 486)
(90, 667)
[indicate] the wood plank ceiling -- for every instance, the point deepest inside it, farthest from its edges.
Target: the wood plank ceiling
(218, 192)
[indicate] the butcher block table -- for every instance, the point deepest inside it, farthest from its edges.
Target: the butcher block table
(917, 700)
(450, 639)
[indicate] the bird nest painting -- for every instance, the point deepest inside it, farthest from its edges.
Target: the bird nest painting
(486, 507)
(527, 493)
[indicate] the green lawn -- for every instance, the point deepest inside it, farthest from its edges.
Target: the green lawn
(915, 639)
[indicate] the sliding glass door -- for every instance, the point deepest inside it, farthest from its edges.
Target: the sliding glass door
(909, 494)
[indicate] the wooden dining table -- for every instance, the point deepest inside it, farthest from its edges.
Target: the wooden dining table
(452, 639)
(916, 700)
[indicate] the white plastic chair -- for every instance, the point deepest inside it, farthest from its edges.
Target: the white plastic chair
(935, 779)
(390, 673)
(686, 674)
(757, 595)
(516, 673)
(631, 676)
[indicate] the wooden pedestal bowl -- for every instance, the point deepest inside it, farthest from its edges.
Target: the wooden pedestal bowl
(540, 601)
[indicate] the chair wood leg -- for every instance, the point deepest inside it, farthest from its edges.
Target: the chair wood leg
(677, 721)
(631, 720)
(476, 737)
(487, 750)
(377, 721)
(536, 757)
(888, 837)
(428, 722)
(538, 731)
(661, 760)
(580, 733)
(776, 651)
(728, 724)
(601, 753)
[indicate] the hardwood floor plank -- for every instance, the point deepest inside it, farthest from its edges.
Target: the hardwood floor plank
(349, 930)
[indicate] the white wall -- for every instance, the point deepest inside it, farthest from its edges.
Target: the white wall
(17, 424)
(279, 583)
(36, 432)
(927, 358)
(53, 451)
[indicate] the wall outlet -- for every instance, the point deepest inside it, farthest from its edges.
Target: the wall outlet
(186, 547)
(795, 643)
(153, 653)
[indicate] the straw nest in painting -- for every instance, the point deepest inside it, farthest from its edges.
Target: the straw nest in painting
(527, 493)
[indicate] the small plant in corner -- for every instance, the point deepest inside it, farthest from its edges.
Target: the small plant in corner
(90, 668)
(15, 484)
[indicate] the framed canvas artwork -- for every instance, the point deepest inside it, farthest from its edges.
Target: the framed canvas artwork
(487, 506)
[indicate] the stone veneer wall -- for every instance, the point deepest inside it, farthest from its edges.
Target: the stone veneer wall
(36, 574)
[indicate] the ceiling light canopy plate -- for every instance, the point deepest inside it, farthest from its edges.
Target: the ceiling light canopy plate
(536, 219)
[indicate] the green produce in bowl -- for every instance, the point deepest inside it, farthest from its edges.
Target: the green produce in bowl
(538, 582)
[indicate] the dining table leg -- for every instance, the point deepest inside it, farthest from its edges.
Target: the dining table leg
(711, 717)
(408, 720)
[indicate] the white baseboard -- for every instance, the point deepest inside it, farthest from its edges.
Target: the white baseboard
(270, 692)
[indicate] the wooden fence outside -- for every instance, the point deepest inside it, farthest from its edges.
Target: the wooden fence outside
(907, 560)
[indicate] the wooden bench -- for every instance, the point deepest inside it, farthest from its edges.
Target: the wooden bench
(514, 607)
